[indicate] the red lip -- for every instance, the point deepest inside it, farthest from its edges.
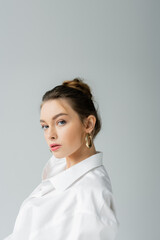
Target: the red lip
(54, 144)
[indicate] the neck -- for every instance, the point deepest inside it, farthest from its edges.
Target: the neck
(79, 156)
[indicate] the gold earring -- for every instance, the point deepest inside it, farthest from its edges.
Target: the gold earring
(88, 140)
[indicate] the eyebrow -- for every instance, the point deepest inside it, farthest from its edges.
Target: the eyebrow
(56, 116)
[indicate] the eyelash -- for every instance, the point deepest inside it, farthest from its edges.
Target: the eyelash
(58, 122)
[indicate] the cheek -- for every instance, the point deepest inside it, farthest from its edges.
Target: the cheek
(74, 133)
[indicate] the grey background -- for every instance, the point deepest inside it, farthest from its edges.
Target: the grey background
(114, 46)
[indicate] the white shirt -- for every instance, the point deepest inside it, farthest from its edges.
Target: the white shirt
(69, 204)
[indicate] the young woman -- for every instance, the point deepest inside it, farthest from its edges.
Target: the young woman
(74, 200)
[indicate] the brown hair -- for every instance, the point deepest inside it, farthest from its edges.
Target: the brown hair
(80, 98)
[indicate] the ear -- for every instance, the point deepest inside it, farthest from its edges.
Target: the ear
(90, 122)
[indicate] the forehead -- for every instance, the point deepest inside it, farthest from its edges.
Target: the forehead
(55, 106)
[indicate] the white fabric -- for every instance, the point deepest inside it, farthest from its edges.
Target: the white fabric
(76, 203)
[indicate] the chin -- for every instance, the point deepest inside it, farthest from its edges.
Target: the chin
(58, 155)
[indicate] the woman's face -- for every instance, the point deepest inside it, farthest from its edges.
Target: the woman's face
(65, 129)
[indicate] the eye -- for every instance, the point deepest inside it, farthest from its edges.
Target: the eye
(43, 126)
(62, 121)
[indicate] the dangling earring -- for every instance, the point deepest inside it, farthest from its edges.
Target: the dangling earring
(50, 150)
(88, 140)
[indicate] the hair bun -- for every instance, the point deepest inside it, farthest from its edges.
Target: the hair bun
(78, 84)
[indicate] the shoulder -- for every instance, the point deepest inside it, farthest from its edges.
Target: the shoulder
(93, 189)
(95, 181)
(96, 196)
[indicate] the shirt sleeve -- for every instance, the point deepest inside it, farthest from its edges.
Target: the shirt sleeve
(90, 226)
(80, 226)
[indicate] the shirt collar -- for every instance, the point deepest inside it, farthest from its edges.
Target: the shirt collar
(66, 177)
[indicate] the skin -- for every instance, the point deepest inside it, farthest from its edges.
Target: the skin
(66, 130)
